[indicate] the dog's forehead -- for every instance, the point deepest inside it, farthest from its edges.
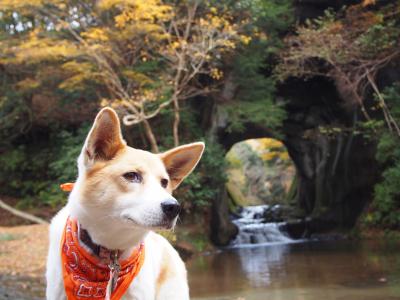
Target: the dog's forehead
(146, 161)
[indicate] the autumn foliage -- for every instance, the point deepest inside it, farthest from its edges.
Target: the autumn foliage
(349, 47)
(146, 56)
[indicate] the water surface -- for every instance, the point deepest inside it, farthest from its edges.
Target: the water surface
(340, 270)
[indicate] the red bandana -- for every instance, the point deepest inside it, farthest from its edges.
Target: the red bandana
(87, 276)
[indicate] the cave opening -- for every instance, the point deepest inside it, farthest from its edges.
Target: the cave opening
(259, 172)
(260, 183)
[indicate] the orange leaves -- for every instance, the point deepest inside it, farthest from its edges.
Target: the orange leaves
(368, 2)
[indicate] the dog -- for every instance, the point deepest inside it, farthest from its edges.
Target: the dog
(102, 243)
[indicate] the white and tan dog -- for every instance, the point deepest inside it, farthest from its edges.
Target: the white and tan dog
(120, 196)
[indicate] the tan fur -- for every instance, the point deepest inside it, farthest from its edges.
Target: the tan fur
(108, 174)
(166, 270)
(181, 161)
(119, 213)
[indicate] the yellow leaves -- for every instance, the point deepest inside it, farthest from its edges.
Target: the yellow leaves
(95, 35)
(80, 72)
(270, 149)
(76, 67)
(28, 84)
(213, 10)
(216, 23)
(179, 44)
(216, 74)
(123, 19)
(109, 4)
(132, 35)
(262, 144)
(275, 155)
(26, 7)
(21, 4)
(175, 45)
(140, 19)
(230, 44)
(45, 49)
(245, 39)
(150, 95)
(132, 12)
(139, 78)
(38, 48)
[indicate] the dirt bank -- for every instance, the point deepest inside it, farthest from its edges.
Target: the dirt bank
(23, 251)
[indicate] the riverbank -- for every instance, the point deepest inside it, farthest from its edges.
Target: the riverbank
(23, 251)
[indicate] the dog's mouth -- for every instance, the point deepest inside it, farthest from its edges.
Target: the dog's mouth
(162, 224)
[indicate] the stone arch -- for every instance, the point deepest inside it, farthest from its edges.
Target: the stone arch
(335, 173)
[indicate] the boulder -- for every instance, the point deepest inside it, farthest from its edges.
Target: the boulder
(222, 230)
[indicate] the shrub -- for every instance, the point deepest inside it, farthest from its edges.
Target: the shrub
(385, 208)
(38, 168)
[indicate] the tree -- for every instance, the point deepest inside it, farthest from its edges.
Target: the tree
(149, 54)
(349, 48)
(197, 41)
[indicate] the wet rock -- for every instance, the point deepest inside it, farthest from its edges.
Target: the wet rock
(312, 228)
(279, 213)
(221, 227)
(296, 229)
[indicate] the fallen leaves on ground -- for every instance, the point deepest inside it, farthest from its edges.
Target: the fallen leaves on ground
(23, 250)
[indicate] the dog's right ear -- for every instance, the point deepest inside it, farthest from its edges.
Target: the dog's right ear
(104, 139)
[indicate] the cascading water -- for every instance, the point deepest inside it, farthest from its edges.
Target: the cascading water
(253, 228)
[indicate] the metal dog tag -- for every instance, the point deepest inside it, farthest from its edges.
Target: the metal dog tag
(115, 267)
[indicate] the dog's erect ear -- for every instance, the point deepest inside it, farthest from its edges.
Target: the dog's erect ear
(104, 139)
(180, 161)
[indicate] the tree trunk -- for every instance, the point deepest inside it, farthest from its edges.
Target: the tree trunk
(22, 214)
(176, 121)
(150, 136)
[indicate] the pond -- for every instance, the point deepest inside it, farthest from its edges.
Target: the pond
(340, 270)
(345, 270)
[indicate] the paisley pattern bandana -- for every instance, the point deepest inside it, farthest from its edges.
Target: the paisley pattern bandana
(89, 276)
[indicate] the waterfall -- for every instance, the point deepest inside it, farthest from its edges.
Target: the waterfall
(253, 228)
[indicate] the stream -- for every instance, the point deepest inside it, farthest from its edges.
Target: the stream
(343, 270)
(264, 263)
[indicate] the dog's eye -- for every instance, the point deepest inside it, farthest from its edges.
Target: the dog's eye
(164, 182)
(133, 177)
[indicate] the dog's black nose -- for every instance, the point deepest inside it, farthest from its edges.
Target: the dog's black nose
(170, 208)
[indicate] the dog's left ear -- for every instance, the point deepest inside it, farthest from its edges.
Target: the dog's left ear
(181, 161)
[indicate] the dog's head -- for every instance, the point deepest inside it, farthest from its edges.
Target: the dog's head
(131, 187)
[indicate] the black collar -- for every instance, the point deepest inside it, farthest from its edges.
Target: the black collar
(98, 250)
